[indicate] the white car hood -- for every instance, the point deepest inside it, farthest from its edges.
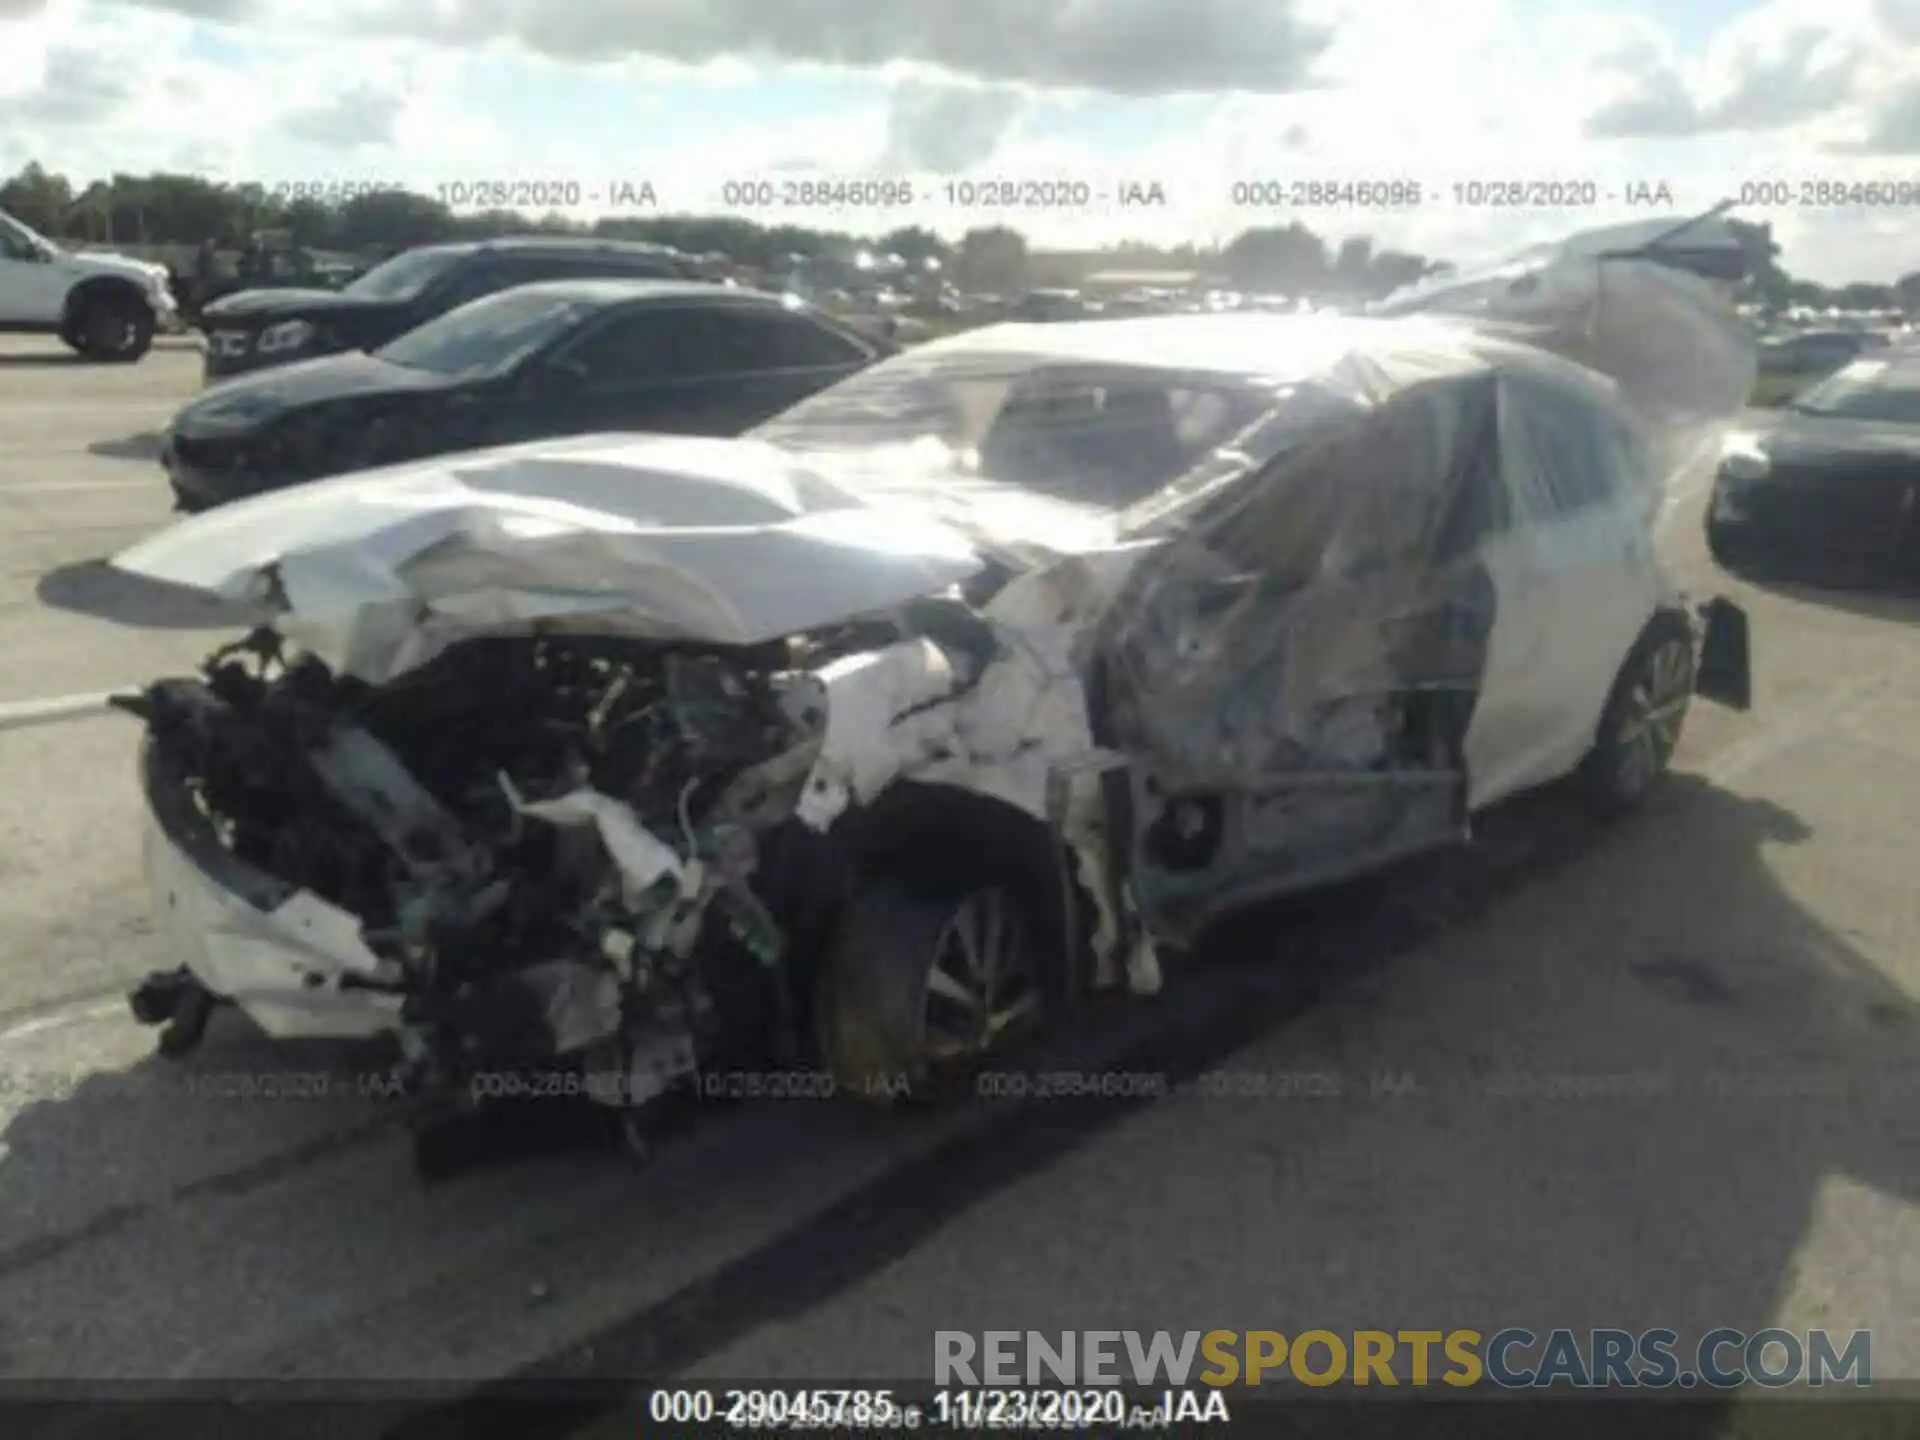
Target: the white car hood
(108, 262)
(722, 541)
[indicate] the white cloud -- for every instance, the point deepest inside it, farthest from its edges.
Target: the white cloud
(933, 125)
(1194, 94)
(1819, 69)
(1136, 47)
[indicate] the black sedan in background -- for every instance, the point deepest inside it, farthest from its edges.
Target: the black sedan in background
(1816, 353)
(1832, 475)
(259, 328)
(562, 358)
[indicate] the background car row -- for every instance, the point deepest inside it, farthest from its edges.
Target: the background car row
(450, 348)
(1832, 476)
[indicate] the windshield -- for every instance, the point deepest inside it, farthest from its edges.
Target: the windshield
(485, 336)
(23, 242)
(1105, 436)
(1867, 390)
(405, 275)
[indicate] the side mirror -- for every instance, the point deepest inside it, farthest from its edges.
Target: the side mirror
(562, 375)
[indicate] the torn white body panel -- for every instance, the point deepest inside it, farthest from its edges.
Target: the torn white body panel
(1018, 733)
(283, 967)
(644, 861)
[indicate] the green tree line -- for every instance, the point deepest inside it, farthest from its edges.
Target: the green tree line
(168, 209)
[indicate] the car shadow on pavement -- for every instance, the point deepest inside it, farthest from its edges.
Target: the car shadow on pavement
(40, 360)
(1752, 1058)
(144, 446)
(95, 589)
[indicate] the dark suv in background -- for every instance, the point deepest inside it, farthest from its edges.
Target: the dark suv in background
(256, 329)
(561, 357)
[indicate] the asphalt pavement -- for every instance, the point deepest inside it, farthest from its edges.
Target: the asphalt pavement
(1658, 1073)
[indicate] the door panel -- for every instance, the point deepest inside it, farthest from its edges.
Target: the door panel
(33, 292)
(1575, 580)
(1325, 736)
(1510, 724)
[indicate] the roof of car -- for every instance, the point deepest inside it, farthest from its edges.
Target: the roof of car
(1896, 364)
(615, 289)
(1268, 349)
(559, 245)
(1860, 336)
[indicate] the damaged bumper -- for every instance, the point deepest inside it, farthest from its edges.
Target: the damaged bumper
(617, 856)
(293, 962)
(326, 858)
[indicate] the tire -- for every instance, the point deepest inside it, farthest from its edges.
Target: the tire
(113, 329)
(1644, 716)
(890, 1020)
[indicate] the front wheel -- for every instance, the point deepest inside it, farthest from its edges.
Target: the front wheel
(114, 329)
(1641, 724)
(921, 984)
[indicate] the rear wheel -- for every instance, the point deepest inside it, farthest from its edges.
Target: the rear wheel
(1643, 719)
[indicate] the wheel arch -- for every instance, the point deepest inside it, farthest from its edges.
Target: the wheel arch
(924, 833)
(95, 288)
(920, 830)
(915, 851)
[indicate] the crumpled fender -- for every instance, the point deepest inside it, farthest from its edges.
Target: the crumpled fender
(1018, 731)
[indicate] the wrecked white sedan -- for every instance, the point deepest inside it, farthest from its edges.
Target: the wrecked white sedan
(867, 743)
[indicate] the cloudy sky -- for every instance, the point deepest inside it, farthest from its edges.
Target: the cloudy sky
(686, 95)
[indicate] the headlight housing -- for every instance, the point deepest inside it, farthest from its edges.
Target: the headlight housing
(287, 335)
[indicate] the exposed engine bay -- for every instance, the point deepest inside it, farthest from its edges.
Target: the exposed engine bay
(531, 833)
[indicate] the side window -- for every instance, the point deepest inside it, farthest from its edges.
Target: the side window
(1362, 500)
(1555, 451)
(1481, 506)
(1828, 352)
(527, 269)
(628, 267)
(633, 348)
(466, 282)
(14, 245)
(756, 340)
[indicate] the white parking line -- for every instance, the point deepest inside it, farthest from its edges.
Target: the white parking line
(49, 710)
(76, 487)
(61, 1019)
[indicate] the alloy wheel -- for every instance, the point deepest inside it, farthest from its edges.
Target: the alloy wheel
(1656, 707)
(112, 333)
(982, 981)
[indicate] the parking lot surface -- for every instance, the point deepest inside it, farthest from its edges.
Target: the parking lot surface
(1653, 1074)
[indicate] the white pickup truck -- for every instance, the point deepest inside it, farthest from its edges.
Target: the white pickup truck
(106, 307)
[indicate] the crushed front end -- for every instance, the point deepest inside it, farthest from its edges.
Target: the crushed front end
(526, 853)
